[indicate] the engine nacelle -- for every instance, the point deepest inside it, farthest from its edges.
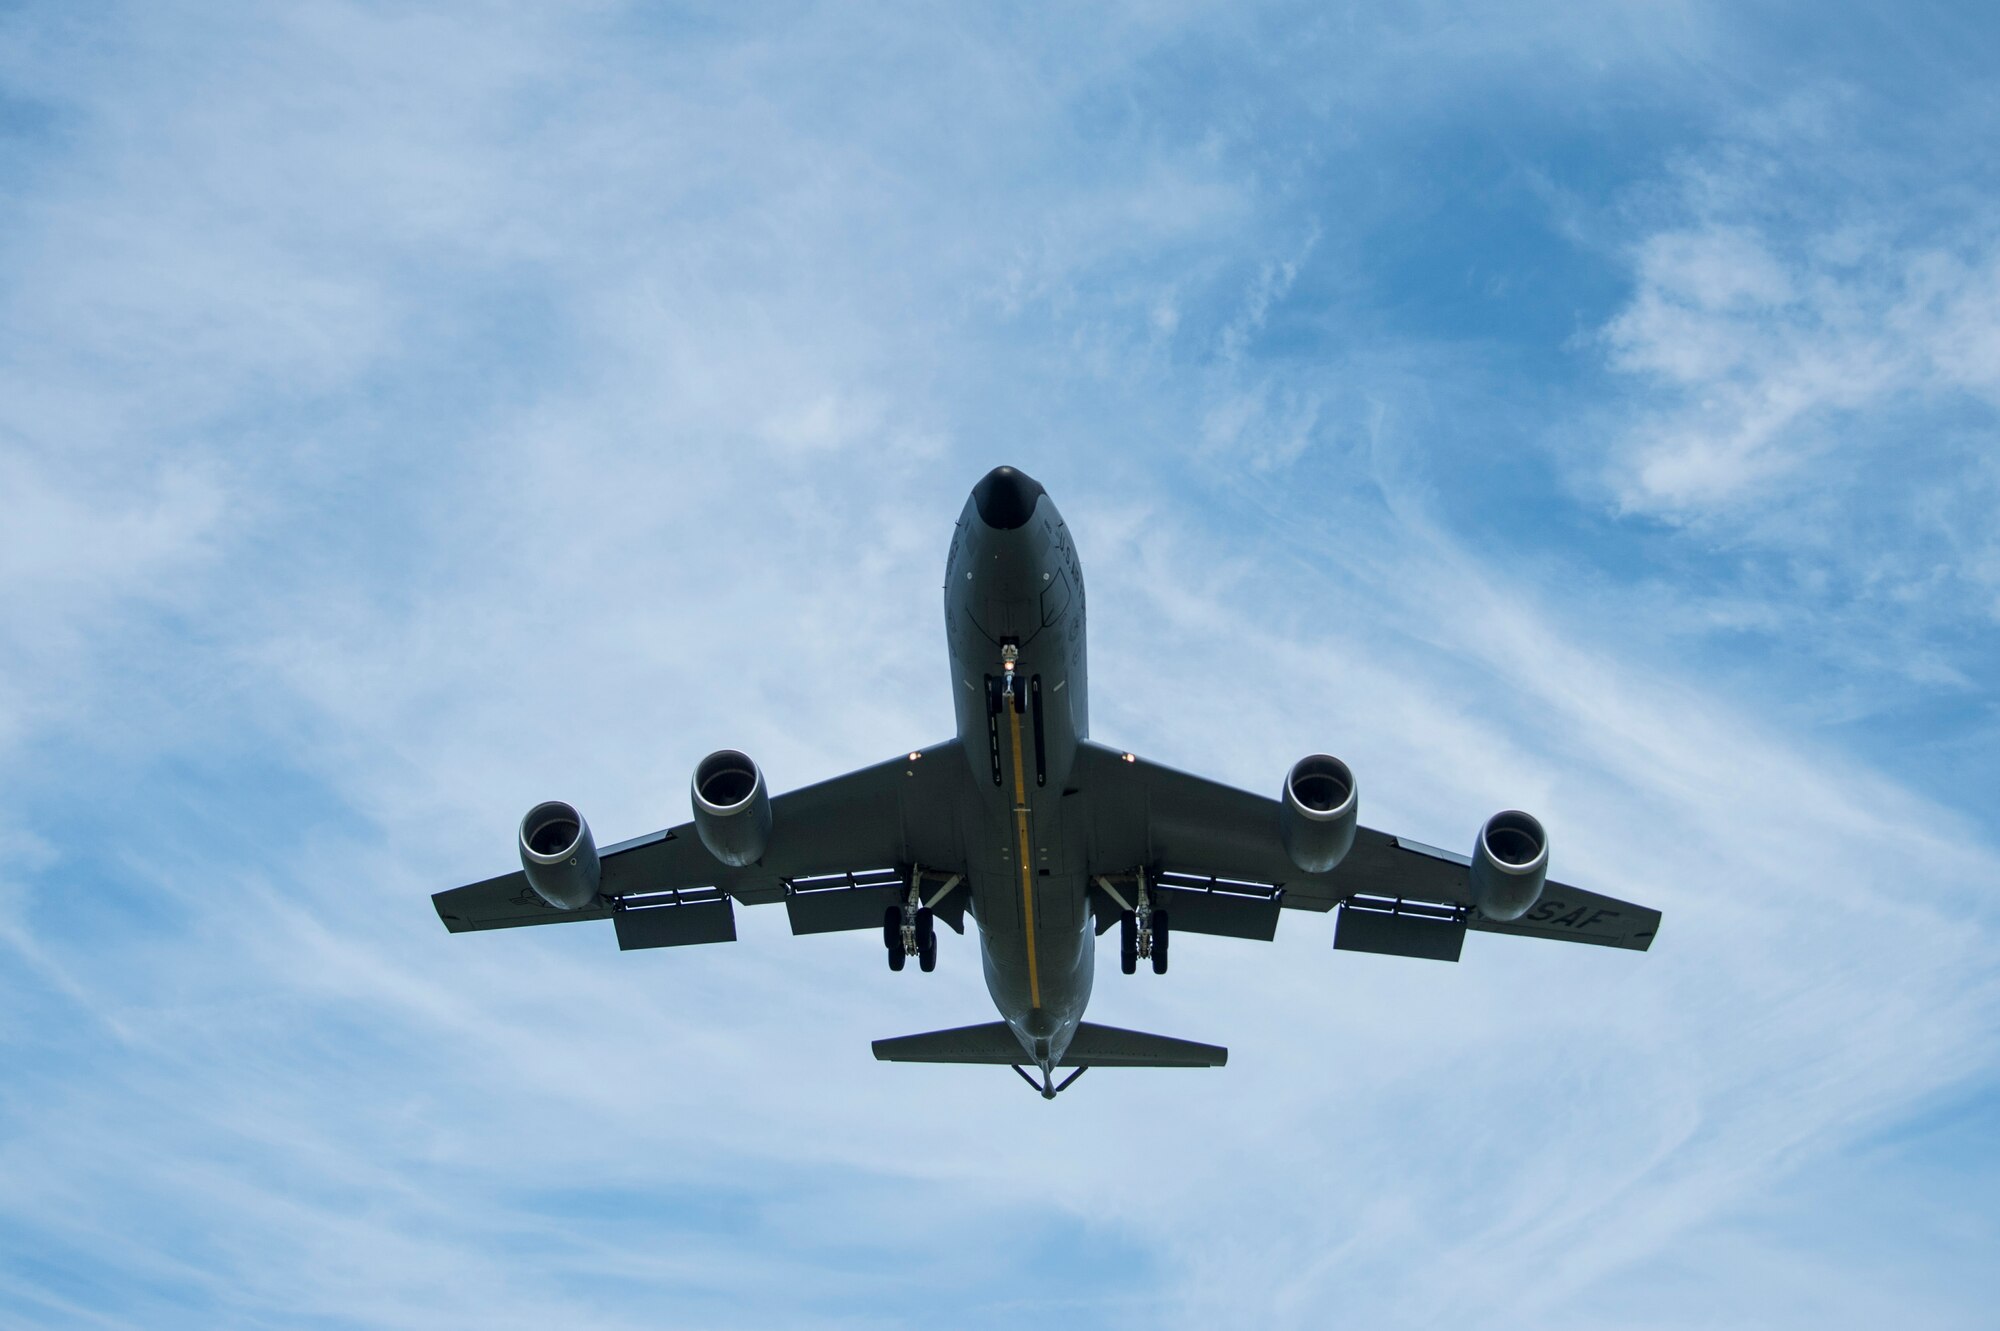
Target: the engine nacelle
(1510, 863)
(1319, 806)
(732, 807)
(559, 856)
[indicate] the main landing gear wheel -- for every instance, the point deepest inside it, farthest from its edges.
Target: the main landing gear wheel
(892, 937)
(910, 931)
(1160, 936)
(926, 940)
(1128, 942)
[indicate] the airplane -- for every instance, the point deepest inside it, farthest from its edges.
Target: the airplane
(1042, 836)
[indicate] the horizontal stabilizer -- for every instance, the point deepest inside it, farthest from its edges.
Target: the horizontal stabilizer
(1110, 1047)
(988, 1042)
(1093, 1047)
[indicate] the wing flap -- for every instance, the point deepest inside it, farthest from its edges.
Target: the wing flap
(1220, 914)
(1433, 936)
(676, 919)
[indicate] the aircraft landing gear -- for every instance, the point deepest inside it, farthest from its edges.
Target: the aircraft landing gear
(910, 930)
(1142, 933)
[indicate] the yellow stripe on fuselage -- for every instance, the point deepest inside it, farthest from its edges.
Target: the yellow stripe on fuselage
(1027, 860)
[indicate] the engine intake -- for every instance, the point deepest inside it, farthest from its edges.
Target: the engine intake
(1510, 863)
(559, 856)
(1316, 821)
(732, 807)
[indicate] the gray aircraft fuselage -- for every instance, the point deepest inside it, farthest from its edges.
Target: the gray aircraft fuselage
(1012, 581)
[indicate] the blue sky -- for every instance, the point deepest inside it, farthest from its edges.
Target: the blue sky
(408, 417)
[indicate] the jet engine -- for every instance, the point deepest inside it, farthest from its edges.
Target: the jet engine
(732, 807)
(559, 856)
(1509, 865)
(1318, 806)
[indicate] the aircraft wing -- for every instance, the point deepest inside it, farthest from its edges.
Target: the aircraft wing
(1220, 868)
(840, 850)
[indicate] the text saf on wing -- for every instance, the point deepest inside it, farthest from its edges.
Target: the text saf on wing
(836, 853)
(1219, 862)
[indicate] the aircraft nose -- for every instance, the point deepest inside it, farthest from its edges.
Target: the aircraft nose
(1006, 498)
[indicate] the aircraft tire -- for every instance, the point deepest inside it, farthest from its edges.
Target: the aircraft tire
(892, 937)
(927, 952)
(1128, 942)
(1160, 936)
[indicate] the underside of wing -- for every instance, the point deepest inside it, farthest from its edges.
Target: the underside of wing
(839, 851)
(1568, 914)
(1216, 858)
(659, 860)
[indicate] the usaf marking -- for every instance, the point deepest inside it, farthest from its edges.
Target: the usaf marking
(1545, 913)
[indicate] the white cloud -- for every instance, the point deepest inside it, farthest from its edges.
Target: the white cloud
(1771, 864)
(1801, 395)
(77, 554)
(1768, 365)
(572, 400)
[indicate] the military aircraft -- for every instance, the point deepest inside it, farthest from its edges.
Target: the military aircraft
(1043, 836)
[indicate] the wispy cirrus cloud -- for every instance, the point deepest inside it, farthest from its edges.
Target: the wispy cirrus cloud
(439, 412)
(1849, 341)
(1800, 390)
